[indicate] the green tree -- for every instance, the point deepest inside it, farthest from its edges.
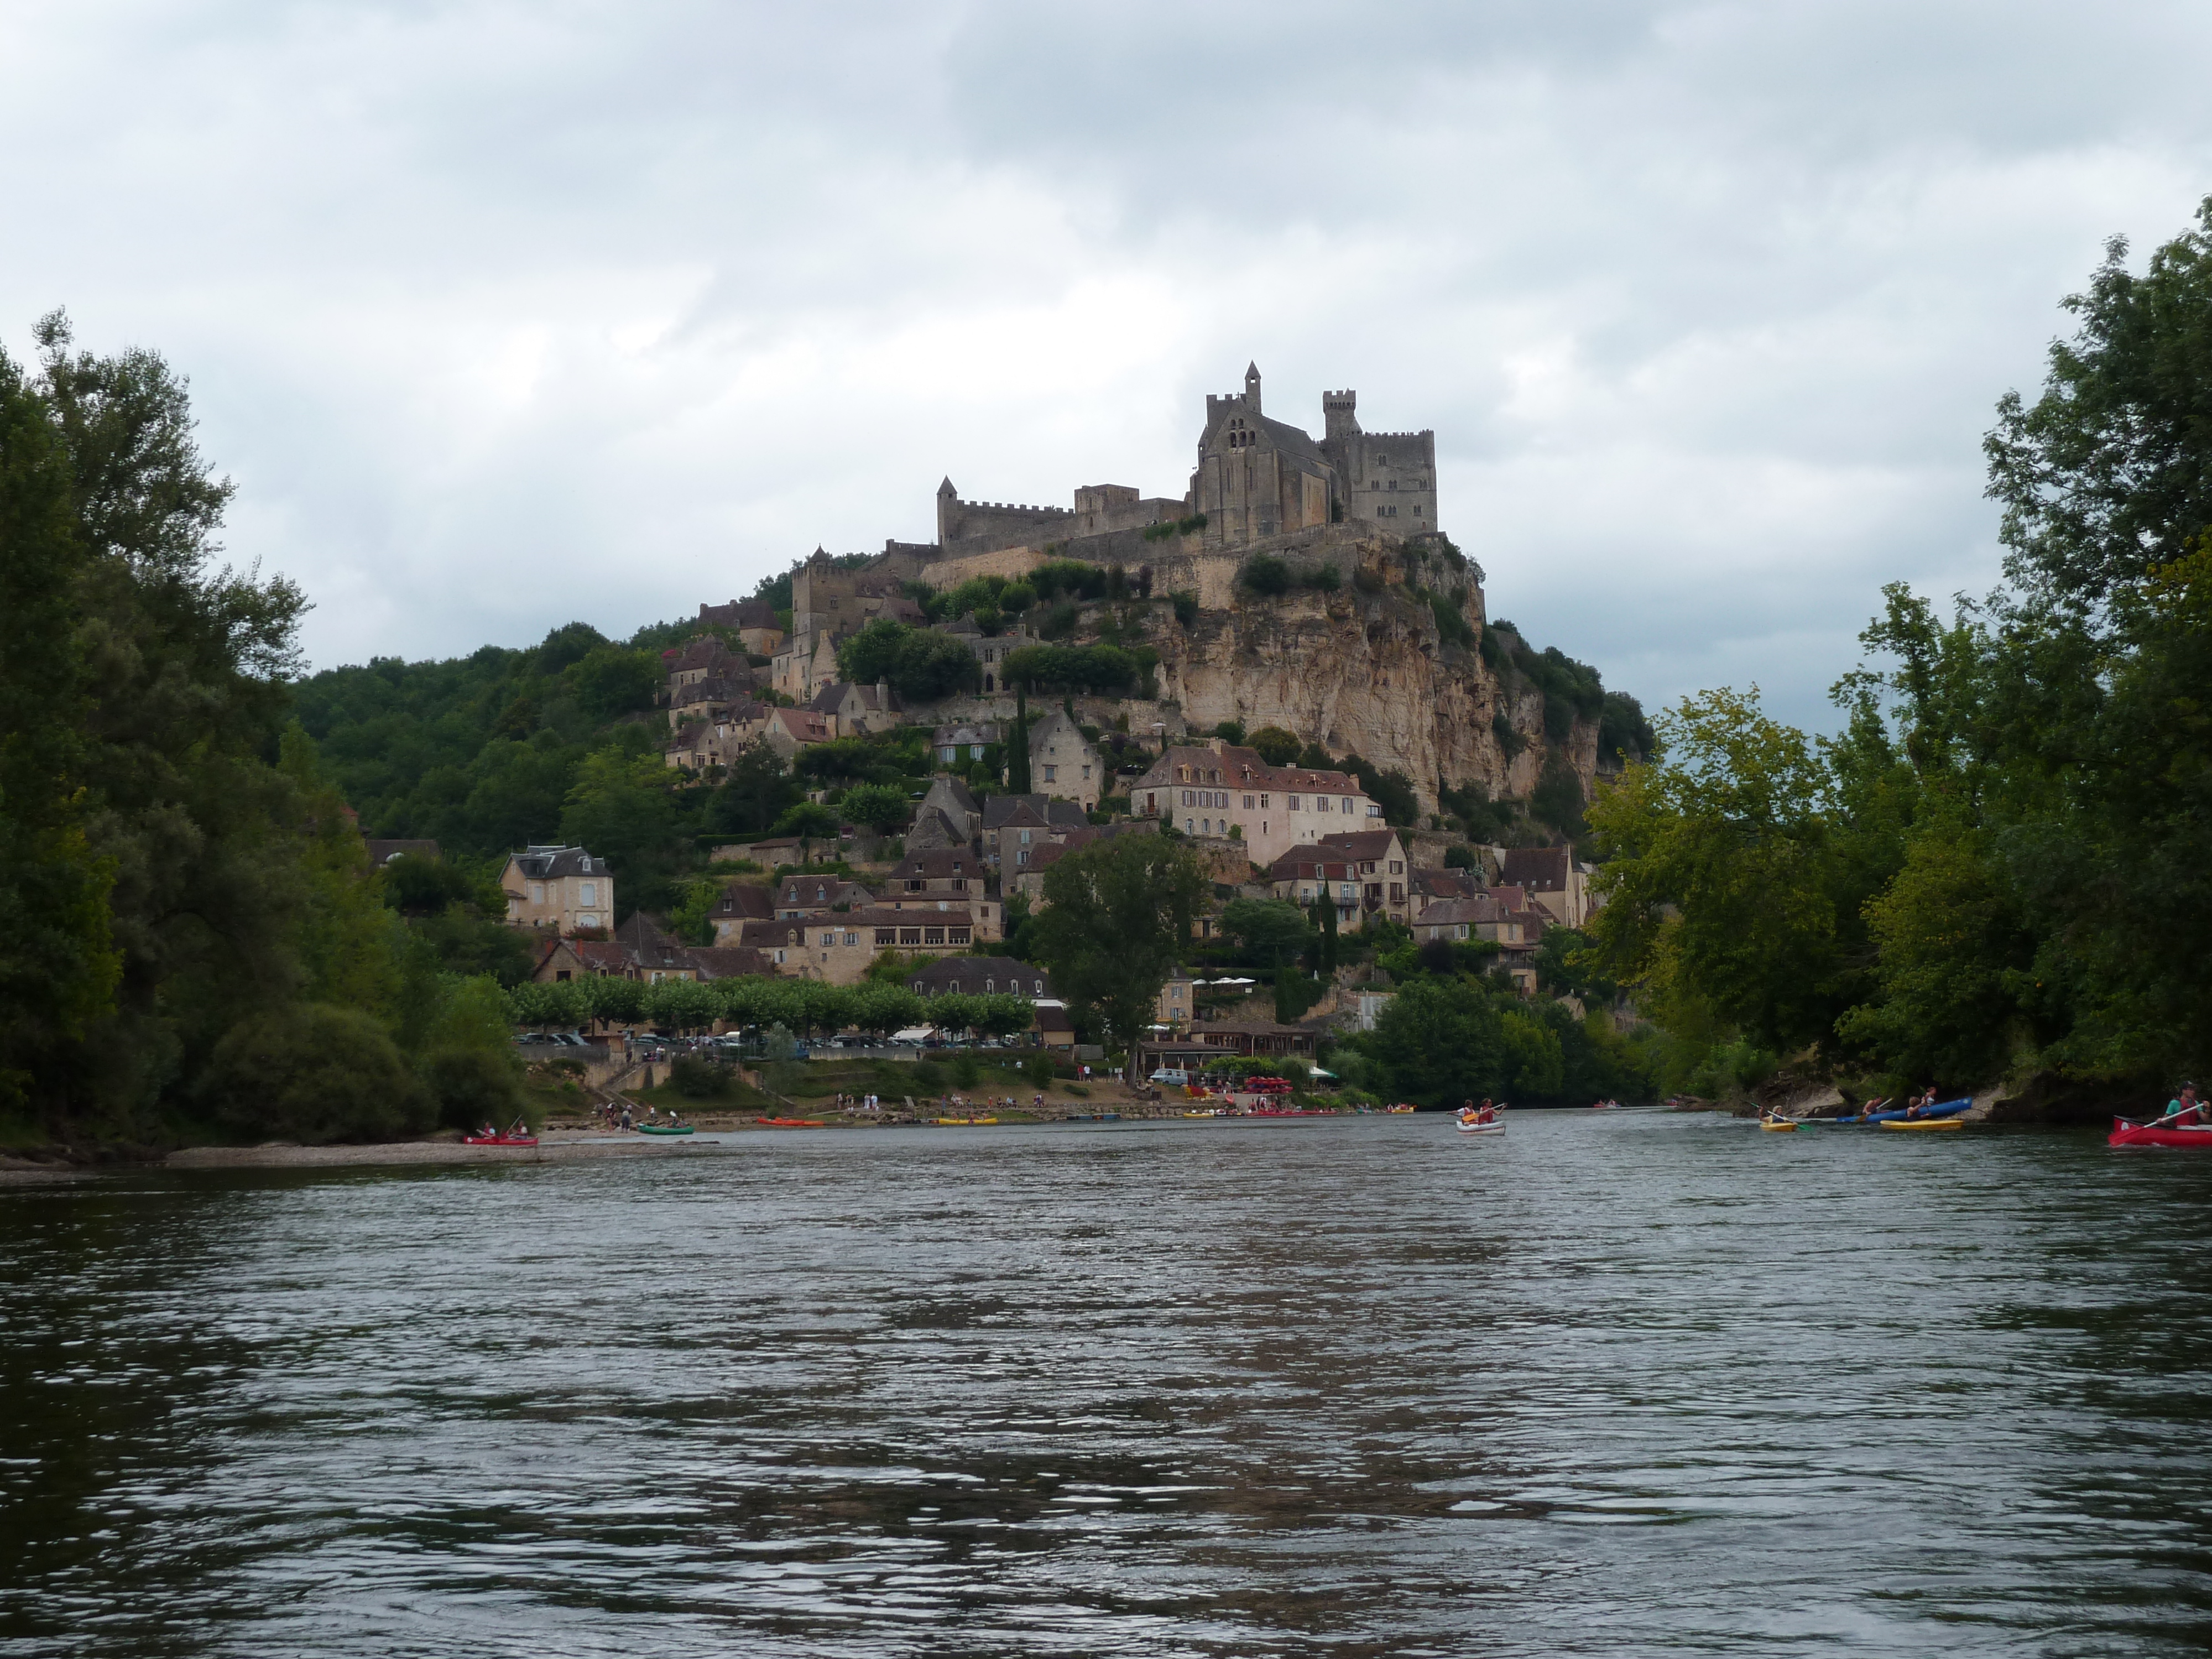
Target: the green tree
(1118, 917)
(1557, 800)
(1268, 930)
(61, 967)
(2104, 477)
(1728, 882)
(692, 920)
(921, 666)
(809, 823)
(312, 1073)
(1437, 1042)
(755, 791)
(876, 806)
(612, 679)
(1017, 743)
(622, 808)
(190, 665)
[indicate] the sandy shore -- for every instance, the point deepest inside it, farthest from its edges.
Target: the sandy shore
(558, 1147)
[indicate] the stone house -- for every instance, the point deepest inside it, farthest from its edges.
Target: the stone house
(753, 621)
(1496, 915)
(1177, 1002)
(1223, 789)
(740, 902)
(774, 851)
(563, 959)
(1063, 762)
(949, 816)
(558, 888)
(1553, 879)
(857, 709)
(787, 730)
(988, 914)
(839, 948)
(935, 870)
(1427, 887)
(1015, 839)
(809, 895)
(958, 741)
(1378, 861)
(715, 738)
(980, 976)
(1303, 876)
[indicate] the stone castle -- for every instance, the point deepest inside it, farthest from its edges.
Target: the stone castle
(1256, 478)
(1371, 648)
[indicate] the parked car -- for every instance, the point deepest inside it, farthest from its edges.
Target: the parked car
(1172, 1074)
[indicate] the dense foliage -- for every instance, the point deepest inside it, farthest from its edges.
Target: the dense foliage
(194, 933)
(1117, 921)
(1998, 866)
(800, 1005)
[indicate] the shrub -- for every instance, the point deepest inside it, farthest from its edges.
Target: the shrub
(1266, 575)
(1461, 857)
(697, 1078)
(1276, 746)
(1186, 608)
(475, 1086)
(314, 1074)
(967, 1071)
(1230, 732)
(1321, 578)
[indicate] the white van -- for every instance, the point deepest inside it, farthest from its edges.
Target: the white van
(1174, 1075)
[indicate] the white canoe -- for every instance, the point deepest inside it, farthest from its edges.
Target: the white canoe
(1498, 1128)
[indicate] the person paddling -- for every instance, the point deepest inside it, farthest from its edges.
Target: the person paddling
(2184, 1111)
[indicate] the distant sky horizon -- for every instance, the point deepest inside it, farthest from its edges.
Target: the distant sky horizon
(502, 316)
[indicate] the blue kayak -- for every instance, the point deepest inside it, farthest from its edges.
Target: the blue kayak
(1897, 1113)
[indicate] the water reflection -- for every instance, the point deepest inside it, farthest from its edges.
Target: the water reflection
(1616, 1384)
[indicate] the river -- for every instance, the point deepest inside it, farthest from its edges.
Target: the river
(1609, 1383)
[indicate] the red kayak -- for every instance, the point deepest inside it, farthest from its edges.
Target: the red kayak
(2126, 1133)
(499, 1141)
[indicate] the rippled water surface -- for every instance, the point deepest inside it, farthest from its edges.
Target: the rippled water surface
(1608, 1383)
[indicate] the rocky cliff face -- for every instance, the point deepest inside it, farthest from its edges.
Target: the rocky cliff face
(1364, 669)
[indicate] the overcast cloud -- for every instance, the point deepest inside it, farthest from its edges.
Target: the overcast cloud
(506, 314)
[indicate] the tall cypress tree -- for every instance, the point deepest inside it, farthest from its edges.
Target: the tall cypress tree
(1018, 747)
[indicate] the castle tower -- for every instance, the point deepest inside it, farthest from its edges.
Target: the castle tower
(1338, 418)
(1252, 387)
(947, 499)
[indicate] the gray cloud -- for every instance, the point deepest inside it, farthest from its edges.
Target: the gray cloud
(505, 315)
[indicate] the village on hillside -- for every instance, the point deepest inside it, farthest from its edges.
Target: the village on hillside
(951, 639)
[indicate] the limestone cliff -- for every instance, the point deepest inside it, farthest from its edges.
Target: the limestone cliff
(1363, 666)
(1366, 669)
(1364, 673)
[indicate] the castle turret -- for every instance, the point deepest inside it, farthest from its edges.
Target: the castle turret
(1252, 387)
(1339, 419)
(947, 499)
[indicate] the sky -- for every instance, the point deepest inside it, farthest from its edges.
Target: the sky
(503, 315)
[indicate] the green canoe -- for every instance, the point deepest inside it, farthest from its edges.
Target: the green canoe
(664, 1129)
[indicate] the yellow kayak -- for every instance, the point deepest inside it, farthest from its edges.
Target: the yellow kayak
(1776, 1123)
(964, 1122)
(1923, 1123)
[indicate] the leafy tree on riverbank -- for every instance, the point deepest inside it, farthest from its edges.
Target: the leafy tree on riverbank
(1118, 919)
(1998, 865)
